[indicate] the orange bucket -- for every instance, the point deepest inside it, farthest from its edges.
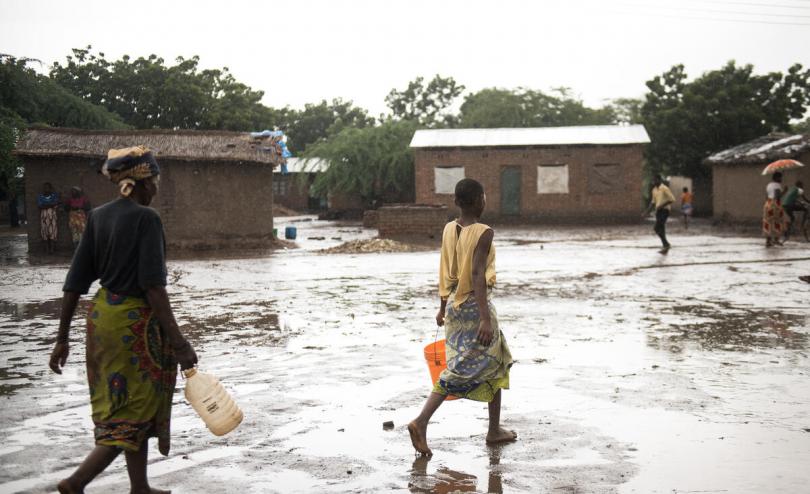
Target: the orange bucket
(437, 361)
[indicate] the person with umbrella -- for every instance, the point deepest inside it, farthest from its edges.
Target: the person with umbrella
(774, 220)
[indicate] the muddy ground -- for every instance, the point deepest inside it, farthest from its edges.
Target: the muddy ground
(635, 372)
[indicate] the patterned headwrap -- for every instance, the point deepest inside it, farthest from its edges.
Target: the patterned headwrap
(128, 165)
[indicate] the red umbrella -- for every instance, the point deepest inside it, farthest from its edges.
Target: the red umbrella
(779, 165)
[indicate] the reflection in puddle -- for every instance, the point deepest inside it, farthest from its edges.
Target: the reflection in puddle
(447, 481)
(729, 328)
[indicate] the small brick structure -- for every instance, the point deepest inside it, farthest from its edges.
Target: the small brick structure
(556, 174)
(412, 220)
(216, 187)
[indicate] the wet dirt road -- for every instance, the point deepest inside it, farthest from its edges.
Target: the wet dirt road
(635, 372)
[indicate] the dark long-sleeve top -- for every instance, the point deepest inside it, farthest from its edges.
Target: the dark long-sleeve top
(123, 247)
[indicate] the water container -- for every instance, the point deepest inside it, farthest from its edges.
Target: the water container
(212, 402)
(290, 232)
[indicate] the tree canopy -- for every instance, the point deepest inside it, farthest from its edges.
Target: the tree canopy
(148, 94)
(426, 105)
(521, 107)
(28, 98)
(374, 162)
(687, 121)
(319, 121)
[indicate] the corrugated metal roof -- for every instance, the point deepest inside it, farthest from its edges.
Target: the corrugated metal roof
(306, 165)
(763, 149)
(536, 136)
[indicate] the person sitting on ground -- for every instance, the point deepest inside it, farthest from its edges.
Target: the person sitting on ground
(133, 341)
(793, 202)
(774, 220)
(47, 202)
(478, 358)
(686, 207)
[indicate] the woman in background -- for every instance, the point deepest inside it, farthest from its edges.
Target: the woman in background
(774, 219)
(47, 202)
(77, 207)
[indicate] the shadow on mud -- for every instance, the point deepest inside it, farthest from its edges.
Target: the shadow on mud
(729, 328)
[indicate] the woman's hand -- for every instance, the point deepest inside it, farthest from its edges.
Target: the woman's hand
(440, 317)
(59, 357)
(185, 355)
(485, 332)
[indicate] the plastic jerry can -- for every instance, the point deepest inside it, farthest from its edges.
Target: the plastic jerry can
(212, 402)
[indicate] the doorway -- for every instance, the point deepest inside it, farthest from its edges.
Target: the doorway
(510, 190)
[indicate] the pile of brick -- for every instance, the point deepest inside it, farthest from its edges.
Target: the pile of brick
(412, 220)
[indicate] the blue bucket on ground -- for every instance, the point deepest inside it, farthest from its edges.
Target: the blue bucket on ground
(290, 232)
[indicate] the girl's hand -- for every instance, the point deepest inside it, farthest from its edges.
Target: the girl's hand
(440, 318)
(59, 357)
(485, 332)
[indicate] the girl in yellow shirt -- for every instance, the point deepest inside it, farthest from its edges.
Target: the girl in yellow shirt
(478, 358)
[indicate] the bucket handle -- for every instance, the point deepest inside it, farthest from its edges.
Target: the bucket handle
(435, 342)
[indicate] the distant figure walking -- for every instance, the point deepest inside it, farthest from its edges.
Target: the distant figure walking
(774, 219)
(662, 200)
(478, 358)
(686, 207)
(133, 341)
(47, 202)
(77, 207)
(794, 202)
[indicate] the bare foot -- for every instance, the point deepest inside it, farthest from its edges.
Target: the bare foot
(501, 436)
(66, 487)
(419, 438)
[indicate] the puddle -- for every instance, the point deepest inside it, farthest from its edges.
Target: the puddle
(621, 384)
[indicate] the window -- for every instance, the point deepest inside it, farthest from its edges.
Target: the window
(446, 178)
(280, 186)
(552, 179)
(605, 178)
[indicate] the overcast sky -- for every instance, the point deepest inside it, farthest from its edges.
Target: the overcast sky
(306, 50)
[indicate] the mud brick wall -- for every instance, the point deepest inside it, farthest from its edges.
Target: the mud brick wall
(411, 220)
(579, 205)
(295, 191)
(739, 189)
(203, 205)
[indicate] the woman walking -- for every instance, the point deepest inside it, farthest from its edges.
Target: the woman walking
(774, 220)
(478, 358)
(133, 341)
(47, 202)
(77, 207)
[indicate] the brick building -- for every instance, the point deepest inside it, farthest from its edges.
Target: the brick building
(737, 181)
(581, 173)
(216, 188)
(292, 189)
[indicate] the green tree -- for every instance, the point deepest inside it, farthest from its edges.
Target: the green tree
(627, 110)
(428, 105)
(373, 162)
(494, 107)
(802, 127)
(148, 93)
(317, 122)
(687, 121)
(28, 98)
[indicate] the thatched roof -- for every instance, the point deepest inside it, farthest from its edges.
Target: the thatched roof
(763, 150)
(183, 145)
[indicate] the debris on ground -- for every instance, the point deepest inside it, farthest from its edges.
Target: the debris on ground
(371, 245)
(279, 210)
(388, 425)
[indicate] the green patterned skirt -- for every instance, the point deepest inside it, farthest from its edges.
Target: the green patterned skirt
(474, 371)
(131, 372)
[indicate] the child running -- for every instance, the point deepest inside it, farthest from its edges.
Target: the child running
(478, 359)
(686, 207)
